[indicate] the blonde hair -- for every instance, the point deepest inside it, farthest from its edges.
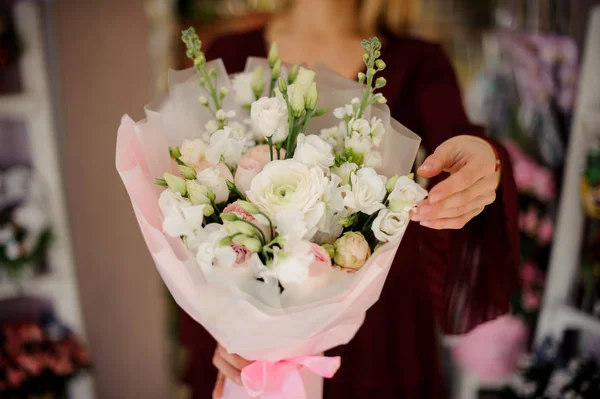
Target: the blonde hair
(399, 17)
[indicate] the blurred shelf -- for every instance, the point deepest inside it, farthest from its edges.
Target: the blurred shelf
(17, 105)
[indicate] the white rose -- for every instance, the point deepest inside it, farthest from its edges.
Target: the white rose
(242, 86)
(358, 144)
(270, 118)
(360, 126)
(180, 217)
(374, 160)
(389, 226)
(216, 178)
(290, 185)
(368, 191)
(344, 171)
(312, 150)
(193, 153)
(224, 148)
(377, 130)
(407, 192)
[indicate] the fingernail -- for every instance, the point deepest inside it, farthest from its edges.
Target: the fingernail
(425, 209)
(426, 166)
(426, 223)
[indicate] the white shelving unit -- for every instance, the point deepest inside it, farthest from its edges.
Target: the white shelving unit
(564, 260)
(34, 108)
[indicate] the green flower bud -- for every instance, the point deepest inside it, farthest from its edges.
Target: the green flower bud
(160, 182)
(202, 80)
(379, 99)
(348, 221)
(273, 55)
(297, 102)
(208, 210)
(377, 54)
(292, 75)
(212, 72)
(187, 172)
(175, 184)
(229, 217)
(282, 85)
(225, 241)
(391, 183)
(366, 57)
(276, 70)
(258, 81)
(312, 96)
(224, 92)
(361, 77)
(248, 207)
(411, 176)
(380, 82)
(230, 185)
(239, 226)
(200, 60)
(250, 243)
(330, 249)
(320, 112)
(197, 193)
(380, 65)
(174, 152)
(370, 72)
(203, 100)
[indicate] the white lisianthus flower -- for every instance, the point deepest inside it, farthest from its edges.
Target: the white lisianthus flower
(368, 191)
(377, 131)
(343, 112)
(181, 218)
(360, 126)
(344, 171)
(193, 153)
(374, 160)
(270, 118)
(210, 252)
(312, 150)
(261, 271)
(305, 77)
(290, 185)
(407, 192)
(242, 86)
(360, 145)
(389, 226)
(330, 228)
(224, 148)
(215, 178)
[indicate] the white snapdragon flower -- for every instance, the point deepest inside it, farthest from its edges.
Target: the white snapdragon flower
(215, 178)
(368, 191)
(242, 87)
(223, 147)
(389, 226)
(360, 145)
(377, 131)
(344, 171)
(312, 150)
(374, 160)
(347, 111)
(290, 185)
(335, 210)
(335, 136)
(360, 126)
(270, 118)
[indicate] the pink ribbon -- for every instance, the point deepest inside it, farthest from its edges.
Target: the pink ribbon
(282, 380)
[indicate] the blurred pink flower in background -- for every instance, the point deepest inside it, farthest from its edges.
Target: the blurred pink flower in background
(530, 274)
(492, 350)
(524, 172)
(543, 184)
(528, 221)
(545, 231)
(530, 300)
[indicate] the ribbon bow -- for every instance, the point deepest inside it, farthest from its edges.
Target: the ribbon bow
(282, 380)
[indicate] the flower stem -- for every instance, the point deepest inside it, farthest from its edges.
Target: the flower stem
(270, 222)
(291, 123)
(270, 141)
(262, 237)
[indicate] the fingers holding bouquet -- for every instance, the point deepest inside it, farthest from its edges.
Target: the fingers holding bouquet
(474, 176)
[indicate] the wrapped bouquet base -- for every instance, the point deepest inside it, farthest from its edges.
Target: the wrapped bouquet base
(273, 224)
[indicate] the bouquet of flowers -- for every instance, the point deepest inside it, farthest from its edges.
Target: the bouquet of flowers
(272, 221)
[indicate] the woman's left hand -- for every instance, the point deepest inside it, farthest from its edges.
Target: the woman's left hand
(471, 186)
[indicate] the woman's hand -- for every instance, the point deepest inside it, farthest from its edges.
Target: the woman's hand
(229, 366)
(471, 162)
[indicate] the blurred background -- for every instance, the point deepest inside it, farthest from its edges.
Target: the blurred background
(83, 313)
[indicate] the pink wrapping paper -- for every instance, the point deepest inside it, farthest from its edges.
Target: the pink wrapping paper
(248, 317)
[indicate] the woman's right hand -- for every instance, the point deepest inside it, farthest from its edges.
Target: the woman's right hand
(229, 366)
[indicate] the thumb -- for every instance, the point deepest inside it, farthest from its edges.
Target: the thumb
(443, 158)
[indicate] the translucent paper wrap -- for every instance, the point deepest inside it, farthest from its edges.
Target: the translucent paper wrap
(285, 333)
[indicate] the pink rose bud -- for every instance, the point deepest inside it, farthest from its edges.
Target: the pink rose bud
(246, 171)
